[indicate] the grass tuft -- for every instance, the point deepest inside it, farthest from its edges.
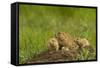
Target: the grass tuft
(39, 23)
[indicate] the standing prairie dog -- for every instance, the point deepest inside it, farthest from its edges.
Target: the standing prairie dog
(65, 41)
(53, 44)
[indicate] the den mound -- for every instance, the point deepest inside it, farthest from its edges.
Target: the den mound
(62, 47)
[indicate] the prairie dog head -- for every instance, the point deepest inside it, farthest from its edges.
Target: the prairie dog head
(61, 36)
(82, 42)
(53, 44)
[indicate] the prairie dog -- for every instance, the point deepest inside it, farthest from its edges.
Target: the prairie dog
(82, 42)
(53, 44)
(65, 40)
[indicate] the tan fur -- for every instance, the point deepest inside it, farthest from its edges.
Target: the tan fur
(82, 42)
(53, 44)
(65, 40)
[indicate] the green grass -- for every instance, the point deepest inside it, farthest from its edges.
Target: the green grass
(39, 23)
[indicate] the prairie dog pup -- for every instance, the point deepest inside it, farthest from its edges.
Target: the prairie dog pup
(65, 40)
(53, 44)
(82, 42)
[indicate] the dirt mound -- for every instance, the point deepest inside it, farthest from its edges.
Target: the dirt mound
(54, 56)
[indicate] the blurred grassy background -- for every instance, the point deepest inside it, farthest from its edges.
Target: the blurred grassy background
(39, 23)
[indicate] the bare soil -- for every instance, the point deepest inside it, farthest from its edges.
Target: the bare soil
(54, 56)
